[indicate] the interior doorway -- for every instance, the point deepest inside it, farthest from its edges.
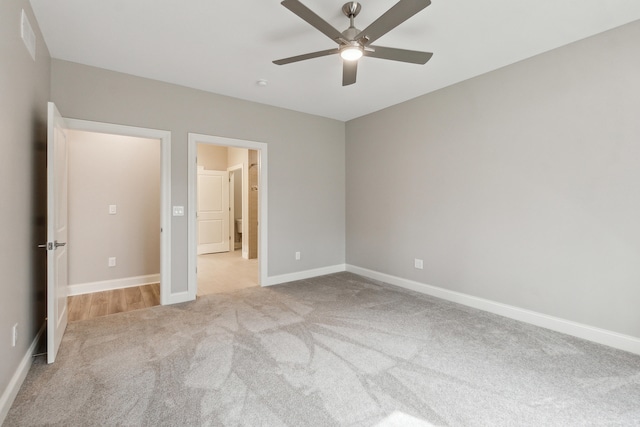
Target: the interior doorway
(227, 214)
(114, 199)
(161, 227)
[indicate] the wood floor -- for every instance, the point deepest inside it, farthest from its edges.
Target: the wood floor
(88, 306)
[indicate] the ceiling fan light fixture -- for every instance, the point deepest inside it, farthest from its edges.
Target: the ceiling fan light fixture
(351, 53)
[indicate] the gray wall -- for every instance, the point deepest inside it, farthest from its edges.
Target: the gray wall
(306, 156)
(24, 92)
(113, 170)
(521, 186)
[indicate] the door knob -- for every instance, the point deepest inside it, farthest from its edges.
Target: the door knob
(49, 246)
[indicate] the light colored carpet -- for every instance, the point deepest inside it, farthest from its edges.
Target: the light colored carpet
(334, 350)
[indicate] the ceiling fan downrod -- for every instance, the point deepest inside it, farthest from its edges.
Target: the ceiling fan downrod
(351, 10)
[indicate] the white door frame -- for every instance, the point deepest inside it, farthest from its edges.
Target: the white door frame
(261, 147)
(245, 199)
(166, 297)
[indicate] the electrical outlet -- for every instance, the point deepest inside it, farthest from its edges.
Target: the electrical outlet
(14, 335)
(112, 261)
(297, 256)
(418, 263)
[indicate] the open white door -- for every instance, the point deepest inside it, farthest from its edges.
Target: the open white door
(56, 232)
(213, 211)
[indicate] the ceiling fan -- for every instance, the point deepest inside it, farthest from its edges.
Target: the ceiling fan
(353, 43)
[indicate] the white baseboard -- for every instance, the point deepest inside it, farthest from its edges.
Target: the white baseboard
(10, 393)
(306, 274)
(107, 285)
(598, 335)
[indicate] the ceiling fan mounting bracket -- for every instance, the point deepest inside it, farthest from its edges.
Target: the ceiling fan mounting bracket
(351, 9)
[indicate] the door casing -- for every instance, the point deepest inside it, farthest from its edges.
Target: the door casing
(232, 222)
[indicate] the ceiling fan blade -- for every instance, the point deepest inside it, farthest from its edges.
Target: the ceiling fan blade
(310, 16)
(349, 70)
(306, 56)
(402, 55)
(393, 17)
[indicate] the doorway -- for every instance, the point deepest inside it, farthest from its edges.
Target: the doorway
(163, 228)
(237, 212)
(113, 200)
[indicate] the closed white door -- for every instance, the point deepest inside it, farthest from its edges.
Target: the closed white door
(56, 232)
(213, 211)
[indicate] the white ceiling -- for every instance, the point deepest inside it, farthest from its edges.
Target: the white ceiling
(227, 46)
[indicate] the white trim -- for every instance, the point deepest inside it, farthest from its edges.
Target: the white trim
(232, 177)
(178, 297)
(232, 210)
(10, 393)
(192, 152)
(306, 274)
(166, 297)
(108, 285)
(590, 333)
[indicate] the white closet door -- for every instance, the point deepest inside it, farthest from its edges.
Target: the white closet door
(213, 211)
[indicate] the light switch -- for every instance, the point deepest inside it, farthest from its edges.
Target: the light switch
(178, 211)
(112, 209)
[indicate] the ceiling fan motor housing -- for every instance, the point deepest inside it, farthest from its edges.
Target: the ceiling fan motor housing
(351, 33)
